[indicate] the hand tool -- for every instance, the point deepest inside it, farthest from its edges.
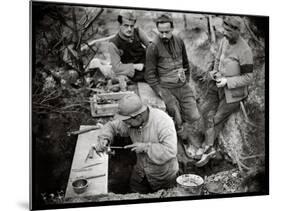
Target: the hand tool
(77, 132)
(86, 168)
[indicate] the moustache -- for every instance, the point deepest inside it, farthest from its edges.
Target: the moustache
(165, 39)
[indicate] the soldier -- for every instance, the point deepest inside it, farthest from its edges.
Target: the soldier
(232, 73)
(167, 72)
(154, 138)
(127, 48)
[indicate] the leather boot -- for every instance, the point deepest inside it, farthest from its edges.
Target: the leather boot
(194, 133)
(183, 134)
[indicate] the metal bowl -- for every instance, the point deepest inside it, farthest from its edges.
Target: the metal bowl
(80, 185)
(191, 183)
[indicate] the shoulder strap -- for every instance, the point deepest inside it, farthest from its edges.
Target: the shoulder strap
(115, 40)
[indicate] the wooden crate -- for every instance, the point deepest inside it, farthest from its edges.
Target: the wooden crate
(108, 109)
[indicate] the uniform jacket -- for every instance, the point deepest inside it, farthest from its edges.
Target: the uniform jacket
(235, 62)
(165, 63)
(125, 52)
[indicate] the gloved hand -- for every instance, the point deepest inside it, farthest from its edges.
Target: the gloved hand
(102, 144)
(138, 147)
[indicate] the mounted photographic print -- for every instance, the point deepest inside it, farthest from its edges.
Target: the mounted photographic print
(136, 105)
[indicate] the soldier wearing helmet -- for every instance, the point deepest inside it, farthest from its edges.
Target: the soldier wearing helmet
(154, 141)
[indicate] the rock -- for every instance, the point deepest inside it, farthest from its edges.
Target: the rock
(239, 141)
(224, 182)
(234, 174)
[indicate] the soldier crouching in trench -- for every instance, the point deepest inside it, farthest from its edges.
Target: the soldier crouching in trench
(154, 140)
(126, 51)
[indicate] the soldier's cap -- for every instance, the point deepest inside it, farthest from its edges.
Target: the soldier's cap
(128, 14)
(232, 23)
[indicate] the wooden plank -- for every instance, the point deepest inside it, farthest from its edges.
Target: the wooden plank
(98, 185)
(149, 97)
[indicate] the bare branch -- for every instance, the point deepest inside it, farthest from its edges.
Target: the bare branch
(92, 21)
(251, 156)
(84, 47)
(58, 17)
(252, 34)
(45, 99)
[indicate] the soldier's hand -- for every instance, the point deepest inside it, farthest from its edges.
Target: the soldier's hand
(138, 147)
(102, 144)
(221, 82)
(138, 67)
